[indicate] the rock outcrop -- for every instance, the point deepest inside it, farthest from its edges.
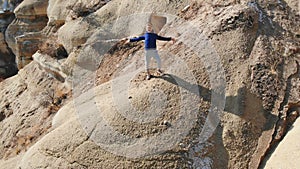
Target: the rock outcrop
(26, 108)
(94, 19)
(50, 65)
(286, 154)
(229, 95)
(7, 60)
(23, 36)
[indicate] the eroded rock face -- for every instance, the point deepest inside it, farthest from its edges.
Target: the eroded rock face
(84, 27)
(80, 151)
(7, 59)
(256, 44)
(294, 4)
(60, 11)
(26, 108)
(50, 65)
(31, 17)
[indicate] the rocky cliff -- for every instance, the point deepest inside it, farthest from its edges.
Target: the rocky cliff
(229, 95)
(7, 61)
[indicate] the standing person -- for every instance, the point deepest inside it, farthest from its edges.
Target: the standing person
(150, 48)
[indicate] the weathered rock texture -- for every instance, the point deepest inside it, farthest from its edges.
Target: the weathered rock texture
(7, 60)
(23, 35)
(256, 43)
(26, 108)
(286, 154)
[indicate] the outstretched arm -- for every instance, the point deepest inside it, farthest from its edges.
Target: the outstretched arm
(166, 38)
(137, 39)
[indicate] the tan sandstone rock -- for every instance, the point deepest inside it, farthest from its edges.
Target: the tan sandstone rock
(227, 53)
(31, 17)
(7, 60)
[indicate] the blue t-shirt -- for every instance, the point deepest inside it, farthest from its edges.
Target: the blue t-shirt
(150, 39)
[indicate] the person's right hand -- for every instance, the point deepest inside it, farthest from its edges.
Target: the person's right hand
(173, 40)
(124, 39)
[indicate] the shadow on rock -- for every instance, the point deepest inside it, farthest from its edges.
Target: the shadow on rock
(245, 104)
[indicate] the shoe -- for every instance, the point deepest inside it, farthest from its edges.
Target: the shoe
(148, 77)
(160, 72)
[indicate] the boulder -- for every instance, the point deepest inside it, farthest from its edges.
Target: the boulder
(29, 8)
(50, 65)
(31, 17)
(59, 11)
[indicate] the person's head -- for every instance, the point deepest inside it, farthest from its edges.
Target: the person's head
(149, 27)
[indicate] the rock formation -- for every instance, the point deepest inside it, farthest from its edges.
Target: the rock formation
(7, 60)
(229, 95)
(23, 35)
